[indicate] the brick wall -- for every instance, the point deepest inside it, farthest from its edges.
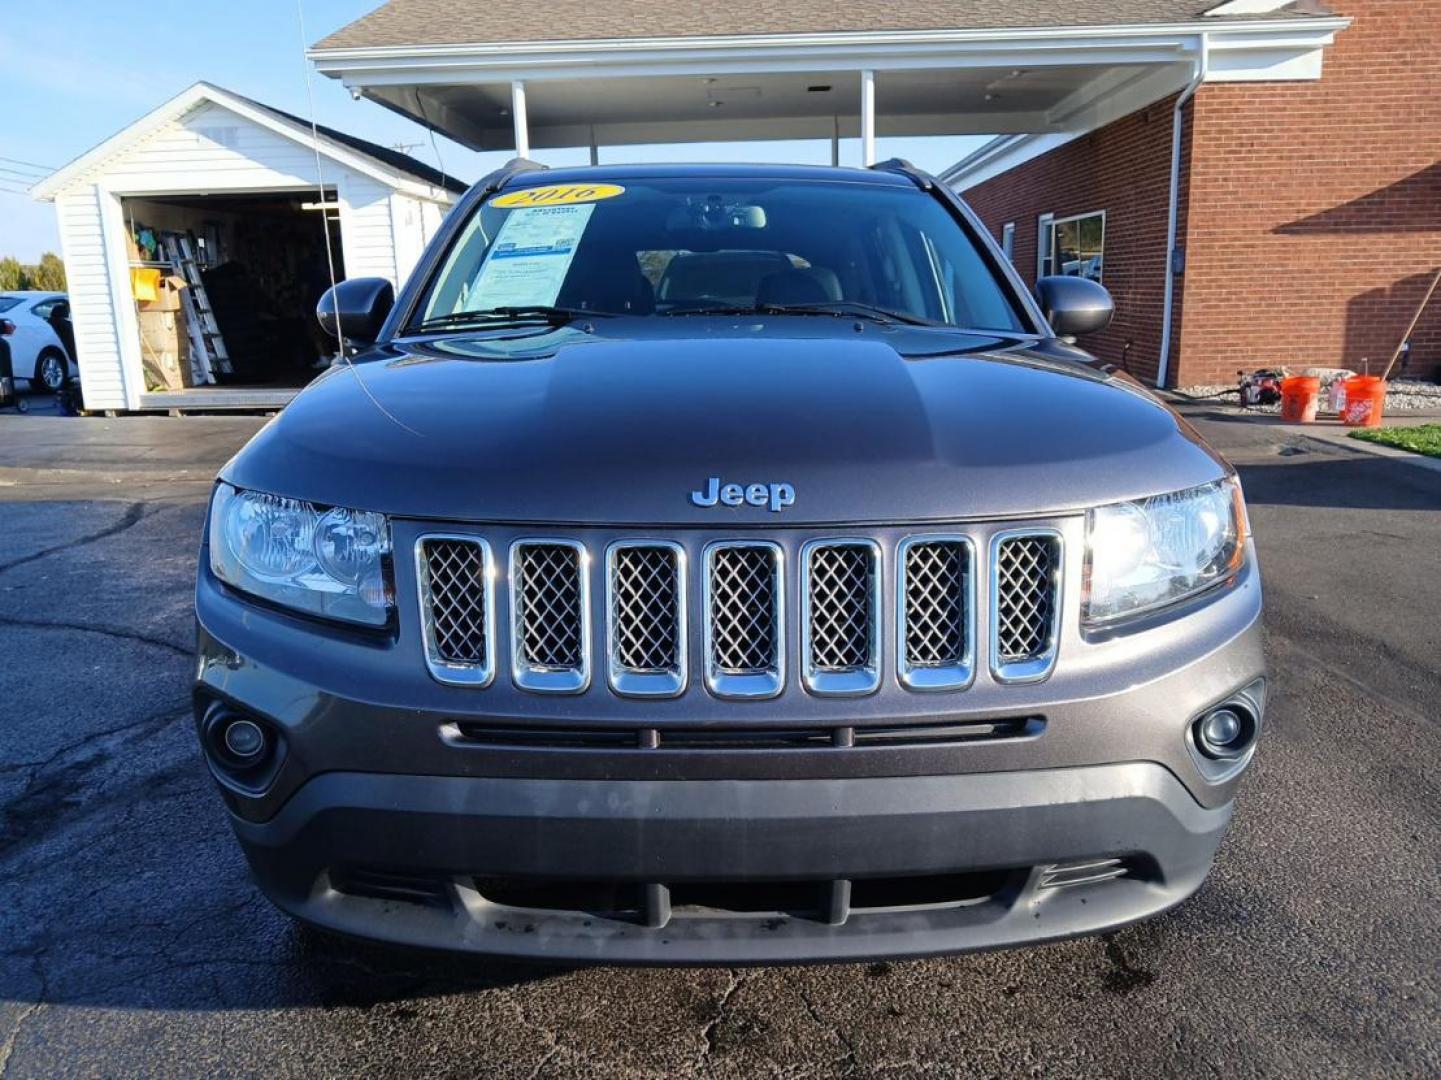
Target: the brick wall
(1125, 170)
(1315, 218)
(1311, 212)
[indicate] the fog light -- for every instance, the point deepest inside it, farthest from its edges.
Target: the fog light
(244, 740)
(1223, 733)
(245, 748)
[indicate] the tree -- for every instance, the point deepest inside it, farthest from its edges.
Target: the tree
(48, 274)
(12, 274)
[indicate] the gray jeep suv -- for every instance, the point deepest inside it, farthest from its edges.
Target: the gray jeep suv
(725, 564)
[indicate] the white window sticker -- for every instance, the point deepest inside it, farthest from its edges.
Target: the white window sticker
(527, 264)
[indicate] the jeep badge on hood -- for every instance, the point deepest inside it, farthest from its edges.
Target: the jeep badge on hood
(776, 496)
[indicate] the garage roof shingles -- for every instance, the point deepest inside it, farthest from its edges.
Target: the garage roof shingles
(400, 23)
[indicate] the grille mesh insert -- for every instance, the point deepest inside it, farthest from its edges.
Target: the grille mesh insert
(743, 610)
(645, 609)
(841, 605)
(937, 586)
(456, 571)
(548, 587)
(1025, 597)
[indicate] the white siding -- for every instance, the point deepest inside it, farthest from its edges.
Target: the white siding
(408, 225)
(212, 149)
(87, 270)
(366, 232)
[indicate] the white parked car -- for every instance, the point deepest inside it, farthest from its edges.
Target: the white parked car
(36, 352)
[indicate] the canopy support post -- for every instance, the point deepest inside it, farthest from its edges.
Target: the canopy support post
(517, 115)
(868, 118)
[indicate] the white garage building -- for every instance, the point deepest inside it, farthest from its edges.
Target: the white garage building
(256, 195)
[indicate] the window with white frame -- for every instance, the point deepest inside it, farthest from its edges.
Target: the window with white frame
(1008, 240)
(1073, 246)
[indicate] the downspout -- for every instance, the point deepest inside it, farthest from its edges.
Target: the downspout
(1203, 63)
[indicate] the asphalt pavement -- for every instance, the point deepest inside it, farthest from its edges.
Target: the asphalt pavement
(133, 944)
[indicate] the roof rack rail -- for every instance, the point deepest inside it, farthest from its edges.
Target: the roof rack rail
(904, 168)
(512, 168)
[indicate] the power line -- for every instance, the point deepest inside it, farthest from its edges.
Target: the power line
(33, 165)
(21, 175)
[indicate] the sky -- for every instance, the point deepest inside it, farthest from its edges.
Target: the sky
(74, 72)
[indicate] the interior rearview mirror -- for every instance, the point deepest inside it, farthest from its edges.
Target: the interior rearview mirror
(354, 311)
(1074, 305)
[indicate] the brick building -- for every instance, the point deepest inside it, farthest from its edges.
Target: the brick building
(1308, 211)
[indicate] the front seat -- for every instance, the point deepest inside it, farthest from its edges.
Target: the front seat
(607, 279)
(811, 285)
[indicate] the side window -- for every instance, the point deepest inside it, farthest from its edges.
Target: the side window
(44, 308)
(1074, 246)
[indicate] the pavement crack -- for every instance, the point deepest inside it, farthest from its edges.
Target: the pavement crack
(7, 1048)
(708, 1032)
(42, 998)
(119, 633)
(37, 808)
(847, 1061)
(134, 514)
(1124, 977)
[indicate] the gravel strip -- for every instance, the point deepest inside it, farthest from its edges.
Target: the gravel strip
(1402, 395)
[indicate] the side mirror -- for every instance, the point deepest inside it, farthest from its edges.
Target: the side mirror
(1074, 305)
(354, 311)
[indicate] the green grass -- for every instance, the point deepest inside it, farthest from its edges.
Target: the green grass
(1423, 439)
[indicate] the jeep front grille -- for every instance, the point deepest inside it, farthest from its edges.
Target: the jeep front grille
(925, 608)
(936, 612)
(456, 579)
(840, 616)
(1025, 604)
(744, 619)
(550, 633)
(646, 609)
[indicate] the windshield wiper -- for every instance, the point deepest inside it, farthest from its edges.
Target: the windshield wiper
(837, 308)
(556, 316)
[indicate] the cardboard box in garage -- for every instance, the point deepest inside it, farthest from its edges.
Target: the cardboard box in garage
(167, 295)
(165, 349)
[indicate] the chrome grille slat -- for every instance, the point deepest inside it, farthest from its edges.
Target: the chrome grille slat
(744, 619)
(646, 617)
(936, 612)
(840, 616)
(1025, 604)
(550, 635)
(456, 580)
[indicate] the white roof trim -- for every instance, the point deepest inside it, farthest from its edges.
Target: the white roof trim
(1240, 55)
(202, 93)
(1041, 35)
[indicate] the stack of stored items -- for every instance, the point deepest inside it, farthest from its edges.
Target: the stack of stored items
(164, 335)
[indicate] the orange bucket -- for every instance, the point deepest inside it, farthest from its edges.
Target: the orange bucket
(1365, 401)
(1299, 396)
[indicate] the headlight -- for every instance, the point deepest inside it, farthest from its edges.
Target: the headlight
(1144, 555)
(334, 563)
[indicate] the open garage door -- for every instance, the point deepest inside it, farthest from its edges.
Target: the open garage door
(225, 288)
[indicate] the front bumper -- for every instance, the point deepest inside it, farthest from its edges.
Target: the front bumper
(1086, 811)
(410, 859)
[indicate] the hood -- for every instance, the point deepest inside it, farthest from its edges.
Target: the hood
(620, 425)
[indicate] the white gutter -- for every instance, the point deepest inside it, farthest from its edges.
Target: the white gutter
(1203, 63)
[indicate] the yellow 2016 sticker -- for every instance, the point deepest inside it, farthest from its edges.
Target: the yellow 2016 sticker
(558, 195)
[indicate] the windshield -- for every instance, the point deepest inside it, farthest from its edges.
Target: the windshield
(659, 247)
(8, 302)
